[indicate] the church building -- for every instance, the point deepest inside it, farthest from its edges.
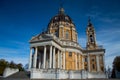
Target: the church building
(56, 53)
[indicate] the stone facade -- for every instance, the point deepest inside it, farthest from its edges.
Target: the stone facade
(56, 52)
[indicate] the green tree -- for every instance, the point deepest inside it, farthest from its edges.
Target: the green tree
(20, 67)
(116, 66)
(12, 65)
(4, 64)
(116, 63)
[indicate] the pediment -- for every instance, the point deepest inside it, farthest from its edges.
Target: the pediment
(41, 37)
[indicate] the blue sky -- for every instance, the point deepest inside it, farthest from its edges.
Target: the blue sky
(22, 19)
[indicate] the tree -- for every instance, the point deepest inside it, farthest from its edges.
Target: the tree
(12, 65)
(4, 64)
(116, 63)
(20, 67)
(116, 66)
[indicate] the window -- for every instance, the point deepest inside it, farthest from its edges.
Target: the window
(86, 65)
(93, 60)
(56, 18)
(67, 23)
(102, 68)
(67, 34)
(91, 38)
(93, 66)
(70, 54)
(56, 33)
(66, 18)
(86, 68)
(76, 37)
(90, 29)
(85, 59)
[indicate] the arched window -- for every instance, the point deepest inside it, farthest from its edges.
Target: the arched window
(85, 59)
(67, 34)
(56, 33)
(70, 54)
(91, 38)
(93, 60)
(93, 66)
(76, 37)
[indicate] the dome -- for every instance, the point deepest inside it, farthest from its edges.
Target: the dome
(62, 26)
(61, 16)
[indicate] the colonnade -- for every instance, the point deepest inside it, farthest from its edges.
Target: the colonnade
(51, 57)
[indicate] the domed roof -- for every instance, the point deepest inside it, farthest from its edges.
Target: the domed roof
(61, 16)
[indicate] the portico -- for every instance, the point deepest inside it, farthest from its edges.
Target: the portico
(46, 57)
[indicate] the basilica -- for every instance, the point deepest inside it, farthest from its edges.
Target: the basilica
(56, 53)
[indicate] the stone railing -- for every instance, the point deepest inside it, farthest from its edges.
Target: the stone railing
(97, 47)
(9, 71)
(70, 43)
(100, 47)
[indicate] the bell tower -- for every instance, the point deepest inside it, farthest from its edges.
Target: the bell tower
(91, 36)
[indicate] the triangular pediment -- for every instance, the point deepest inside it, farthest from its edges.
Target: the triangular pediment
(41, 37)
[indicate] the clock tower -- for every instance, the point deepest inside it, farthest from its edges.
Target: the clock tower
(91, 36)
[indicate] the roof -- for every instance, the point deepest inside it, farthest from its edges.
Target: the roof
(61, 16)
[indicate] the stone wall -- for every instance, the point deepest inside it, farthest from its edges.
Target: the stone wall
(58, 74)
(9, 71)
(96, 75)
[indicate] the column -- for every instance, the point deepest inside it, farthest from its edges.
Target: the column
(104, 62)
(82, 62)
(35, 57)
(63, 32)
(64, 60)
(47, 62)
(97, 60)
(76, 60)
(50, 64)
(54, 57)
(30, 59)
(88, 62)
(39, 64)
(61, 60)
(58, 59)
(44, 60)
(39, 61)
